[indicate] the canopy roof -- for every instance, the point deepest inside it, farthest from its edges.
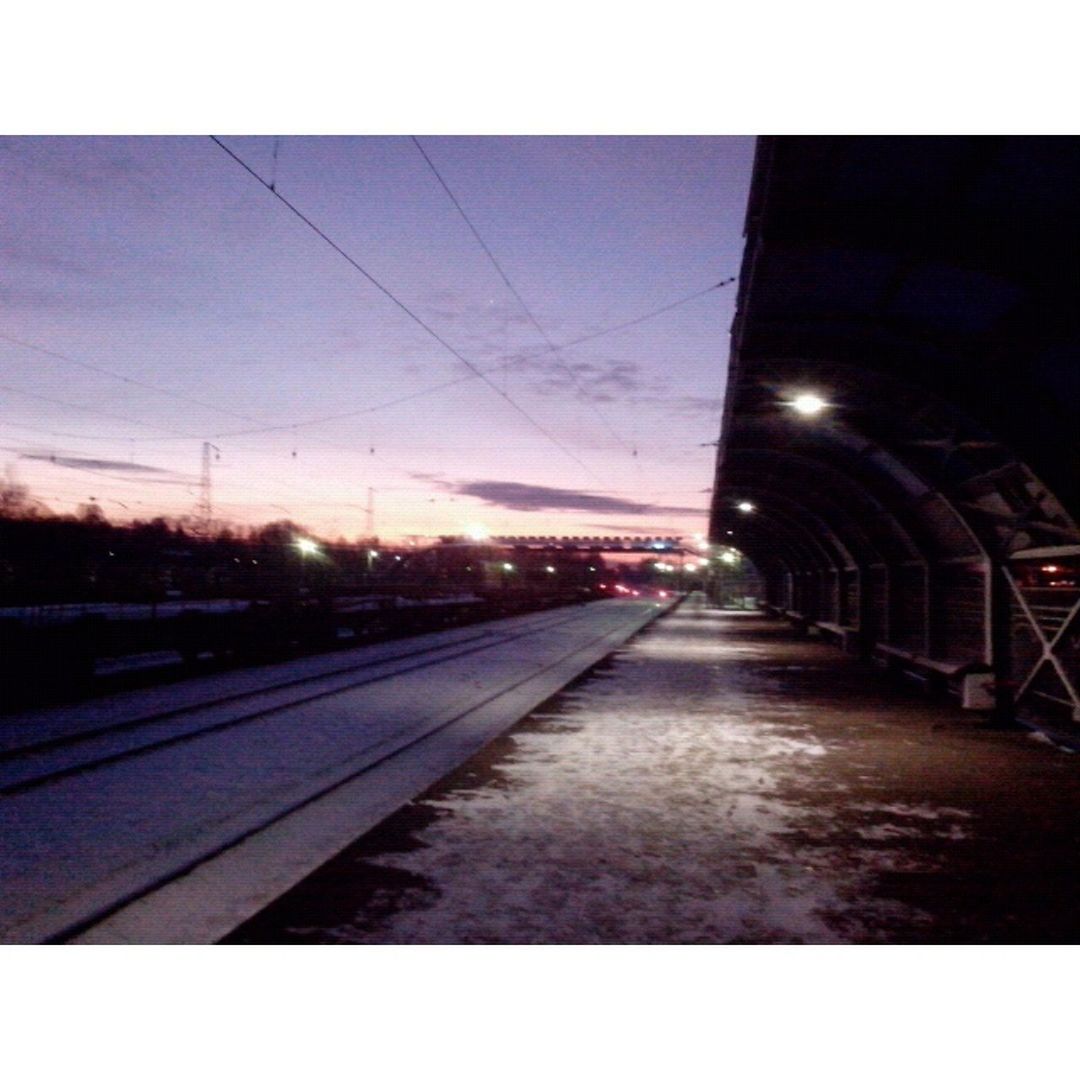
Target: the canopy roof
(927, 289)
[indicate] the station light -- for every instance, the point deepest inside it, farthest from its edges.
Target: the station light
(477, 532)
(508, 566)
(728, 557)
(550, 569)
(745, 507)
(306, 546)
(808, 404)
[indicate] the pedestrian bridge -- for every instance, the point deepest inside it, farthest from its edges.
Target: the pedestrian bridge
(900, 450)
(611, 544)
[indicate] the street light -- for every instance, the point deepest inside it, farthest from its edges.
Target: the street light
(745, 507)
(307, 548)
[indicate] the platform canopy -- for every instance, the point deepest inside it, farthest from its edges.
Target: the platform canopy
(904, 384)
(926, 289)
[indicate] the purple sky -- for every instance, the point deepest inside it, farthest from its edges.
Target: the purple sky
(161, 261)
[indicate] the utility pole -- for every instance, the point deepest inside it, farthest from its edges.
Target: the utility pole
(204, 507)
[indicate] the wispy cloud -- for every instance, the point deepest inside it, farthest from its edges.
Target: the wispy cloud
(91, 463)
(107, 465)
(536, 497)
(598, 381)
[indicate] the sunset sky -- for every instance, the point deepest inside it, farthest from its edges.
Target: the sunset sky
(155, 296)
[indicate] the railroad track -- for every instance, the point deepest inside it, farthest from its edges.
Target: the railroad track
(97, 819)
(36, 763)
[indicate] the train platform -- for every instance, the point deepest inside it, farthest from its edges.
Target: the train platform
(719, 780)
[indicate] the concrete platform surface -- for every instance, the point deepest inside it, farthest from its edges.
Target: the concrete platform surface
(720, 780)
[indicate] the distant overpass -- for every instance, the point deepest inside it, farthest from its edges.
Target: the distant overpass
(645, 545)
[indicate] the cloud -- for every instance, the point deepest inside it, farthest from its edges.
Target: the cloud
(534, 497)
(106, 465)
(92, 463)
(596, 381)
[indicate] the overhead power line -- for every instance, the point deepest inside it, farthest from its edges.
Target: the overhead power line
(405, 308)
(131, 380)
(474, 372)
(517, 296)
(293, 424)
(175, 435)
(494, 369)
(642, 318)
(92, 409)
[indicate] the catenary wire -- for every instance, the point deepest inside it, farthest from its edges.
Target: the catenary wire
(350, 414)
(551, 348)
(407, 310)
(131, 380)
(515, 358)
(517, 295)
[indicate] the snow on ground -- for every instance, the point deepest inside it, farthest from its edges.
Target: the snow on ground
(649, 807)
(110, 830)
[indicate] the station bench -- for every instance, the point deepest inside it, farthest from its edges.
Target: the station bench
(971, 680)
(847, 637)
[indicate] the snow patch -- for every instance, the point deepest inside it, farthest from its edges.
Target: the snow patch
(653, 813)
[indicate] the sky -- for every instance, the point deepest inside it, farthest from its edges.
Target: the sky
(156, 296)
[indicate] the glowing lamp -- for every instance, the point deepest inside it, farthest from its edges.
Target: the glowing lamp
(809, 404)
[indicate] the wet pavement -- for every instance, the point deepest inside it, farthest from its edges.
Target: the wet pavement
(720, 779)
